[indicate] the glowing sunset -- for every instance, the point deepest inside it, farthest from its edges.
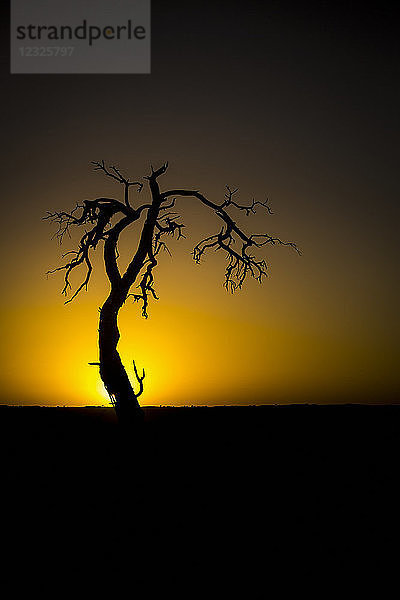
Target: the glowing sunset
(313, 327)
(306, 129)
(199, 308)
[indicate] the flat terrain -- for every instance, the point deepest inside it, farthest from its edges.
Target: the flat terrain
(225, 494)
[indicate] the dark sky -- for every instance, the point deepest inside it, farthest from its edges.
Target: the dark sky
(296, 100)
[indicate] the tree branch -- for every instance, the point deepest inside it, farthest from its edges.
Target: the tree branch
(160, 221)
(97, 213)
(249, 208)
(116, 174)
(239, 263)
(140, 380)
(146, 285)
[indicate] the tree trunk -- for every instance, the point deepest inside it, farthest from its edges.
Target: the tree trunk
(112, 371)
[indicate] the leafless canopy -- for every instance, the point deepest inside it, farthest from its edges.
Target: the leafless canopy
(103, 220)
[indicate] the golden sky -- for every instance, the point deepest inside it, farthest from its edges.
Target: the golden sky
(305, 120)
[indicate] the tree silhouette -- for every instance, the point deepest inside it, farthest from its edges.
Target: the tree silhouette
(104, 219)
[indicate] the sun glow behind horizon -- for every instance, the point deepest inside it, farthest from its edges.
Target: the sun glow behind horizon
(287, 340)
(200, 344)
(231, 350)
(310, 126)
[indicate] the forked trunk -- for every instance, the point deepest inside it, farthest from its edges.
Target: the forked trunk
(112, 371)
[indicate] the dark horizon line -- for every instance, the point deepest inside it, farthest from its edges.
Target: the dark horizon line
(186, 406)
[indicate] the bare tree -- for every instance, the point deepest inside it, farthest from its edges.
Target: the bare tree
(104, 219)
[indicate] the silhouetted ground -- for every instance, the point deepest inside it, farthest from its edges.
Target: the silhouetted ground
(200, 498)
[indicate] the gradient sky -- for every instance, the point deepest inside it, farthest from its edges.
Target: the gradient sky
(295, 102)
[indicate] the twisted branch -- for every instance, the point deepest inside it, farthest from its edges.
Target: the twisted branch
(249, 209)
(97, 213)
(240, 263)
(140, 380)
(116, 174)
(161, 221)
